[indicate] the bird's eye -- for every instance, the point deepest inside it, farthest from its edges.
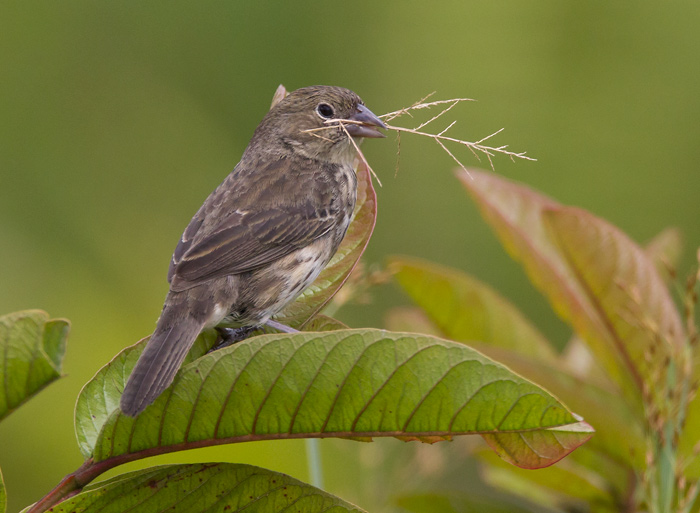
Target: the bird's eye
(324, 110)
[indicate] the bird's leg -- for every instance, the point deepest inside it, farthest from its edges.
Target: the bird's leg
(230, 336)
(280, 327)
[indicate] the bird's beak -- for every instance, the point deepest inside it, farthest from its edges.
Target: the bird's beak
(369, 124)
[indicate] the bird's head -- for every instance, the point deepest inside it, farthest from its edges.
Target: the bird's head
(309, 121)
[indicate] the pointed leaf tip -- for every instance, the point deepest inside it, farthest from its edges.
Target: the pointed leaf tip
(541, 448)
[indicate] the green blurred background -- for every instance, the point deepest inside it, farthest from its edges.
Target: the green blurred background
(117, 119)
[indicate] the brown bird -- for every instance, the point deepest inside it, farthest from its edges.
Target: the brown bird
(263, 235)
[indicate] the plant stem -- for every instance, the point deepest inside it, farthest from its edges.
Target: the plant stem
(68, 486)
(313, 455)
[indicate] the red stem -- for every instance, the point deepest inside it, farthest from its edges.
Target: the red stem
(73, 483)
(68, 486)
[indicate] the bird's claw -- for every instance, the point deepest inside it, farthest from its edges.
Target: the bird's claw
(229, 336)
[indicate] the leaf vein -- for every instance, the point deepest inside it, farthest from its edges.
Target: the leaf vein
(386, 381)
(466, 403)
(306, 391)
(232, 387)
(271, 386)
(232, 490)
(334, 402)
(430, 391)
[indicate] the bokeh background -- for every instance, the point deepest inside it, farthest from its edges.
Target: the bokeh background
(118, 118)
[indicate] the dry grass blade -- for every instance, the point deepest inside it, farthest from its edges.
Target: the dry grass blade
(335, 123)
(440, 138)
(407, 110)
(422, 104)
(475, 147)
(360, 154)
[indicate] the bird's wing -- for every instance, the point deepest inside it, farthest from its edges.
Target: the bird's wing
(244, 240)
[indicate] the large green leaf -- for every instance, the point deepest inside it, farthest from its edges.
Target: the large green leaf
(32, 347)
(322, 290)
(100, 396)
(346, 383)
(517, 213)
(203, 488)
(466, 309)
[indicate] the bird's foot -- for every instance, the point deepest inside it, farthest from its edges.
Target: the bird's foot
(229, 336)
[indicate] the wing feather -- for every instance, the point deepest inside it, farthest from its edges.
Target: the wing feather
(245, 239)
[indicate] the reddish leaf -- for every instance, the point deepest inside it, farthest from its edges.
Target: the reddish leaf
(623, 286)
(541, 448)
(517, 214)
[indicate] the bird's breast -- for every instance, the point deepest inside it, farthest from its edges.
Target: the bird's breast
(345, 196)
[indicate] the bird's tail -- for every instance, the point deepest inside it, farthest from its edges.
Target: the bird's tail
(158, 363)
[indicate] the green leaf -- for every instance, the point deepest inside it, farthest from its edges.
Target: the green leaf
(346, 383)
(516, 213)
(466, 309)
(99, 397)
(32, 347)
(624, 288)
(332, 278)
(203, 488)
